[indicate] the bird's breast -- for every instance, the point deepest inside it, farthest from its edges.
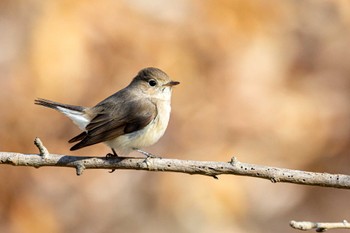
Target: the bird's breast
(146, 136)
(155, 129)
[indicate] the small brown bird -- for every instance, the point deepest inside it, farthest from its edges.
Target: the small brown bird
(132, 118)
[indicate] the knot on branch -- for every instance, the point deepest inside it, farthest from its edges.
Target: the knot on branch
(233, 161)
(79, 169)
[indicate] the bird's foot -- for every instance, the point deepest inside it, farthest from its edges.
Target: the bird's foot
(110, 155)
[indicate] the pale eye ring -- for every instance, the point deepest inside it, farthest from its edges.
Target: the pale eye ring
(152, 82)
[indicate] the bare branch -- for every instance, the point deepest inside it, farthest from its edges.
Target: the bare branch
(319, 226)
(208, 168)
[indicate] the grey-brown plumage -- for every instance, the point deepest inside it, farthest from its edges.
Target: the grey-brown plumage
(133, 117)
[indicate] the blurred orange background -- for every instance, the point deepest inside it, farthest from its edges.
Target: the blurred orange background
(265, 81)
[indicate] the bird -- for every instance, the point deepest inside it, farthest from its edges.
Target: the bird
(131, 119)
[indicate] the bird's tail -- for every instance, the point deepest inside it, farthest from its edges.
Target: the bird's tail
(58, 106)
(75, 113)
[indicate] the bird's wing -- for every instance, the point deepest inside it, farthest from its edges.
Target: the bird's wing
(112, 121)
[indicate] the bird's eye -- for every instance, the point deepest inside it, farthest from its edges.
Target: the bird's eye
(152, 82)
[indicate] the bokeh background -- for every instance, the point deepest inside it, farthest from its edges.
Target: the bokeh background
(265, 81)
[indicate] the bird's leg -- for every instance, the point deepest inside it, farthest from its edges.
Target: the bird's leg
(148, 155)
(110, 155)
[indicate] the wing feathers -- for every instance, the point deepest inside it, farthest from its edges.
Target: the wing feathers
(113, 122)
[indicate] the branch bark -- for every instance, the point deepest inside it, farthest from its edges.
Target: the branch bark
(319, 226)
(208, 168)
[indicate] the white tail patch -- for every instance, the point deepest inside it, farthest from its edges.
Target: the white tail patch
(78, 118)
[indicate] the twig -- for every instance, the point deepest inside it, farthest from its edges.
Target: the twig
(319, 226)
(42, 149)
(208, 168)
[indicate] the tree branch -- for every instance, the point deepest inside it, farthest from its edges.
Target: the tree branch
(208, 168)
(319, 226)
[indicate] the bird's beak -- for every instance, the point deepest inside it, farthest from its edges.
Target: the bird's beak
(171, 83)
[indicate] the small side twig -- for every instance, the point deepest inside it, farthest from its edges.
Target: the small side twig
(319, 226)
(42, 149)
